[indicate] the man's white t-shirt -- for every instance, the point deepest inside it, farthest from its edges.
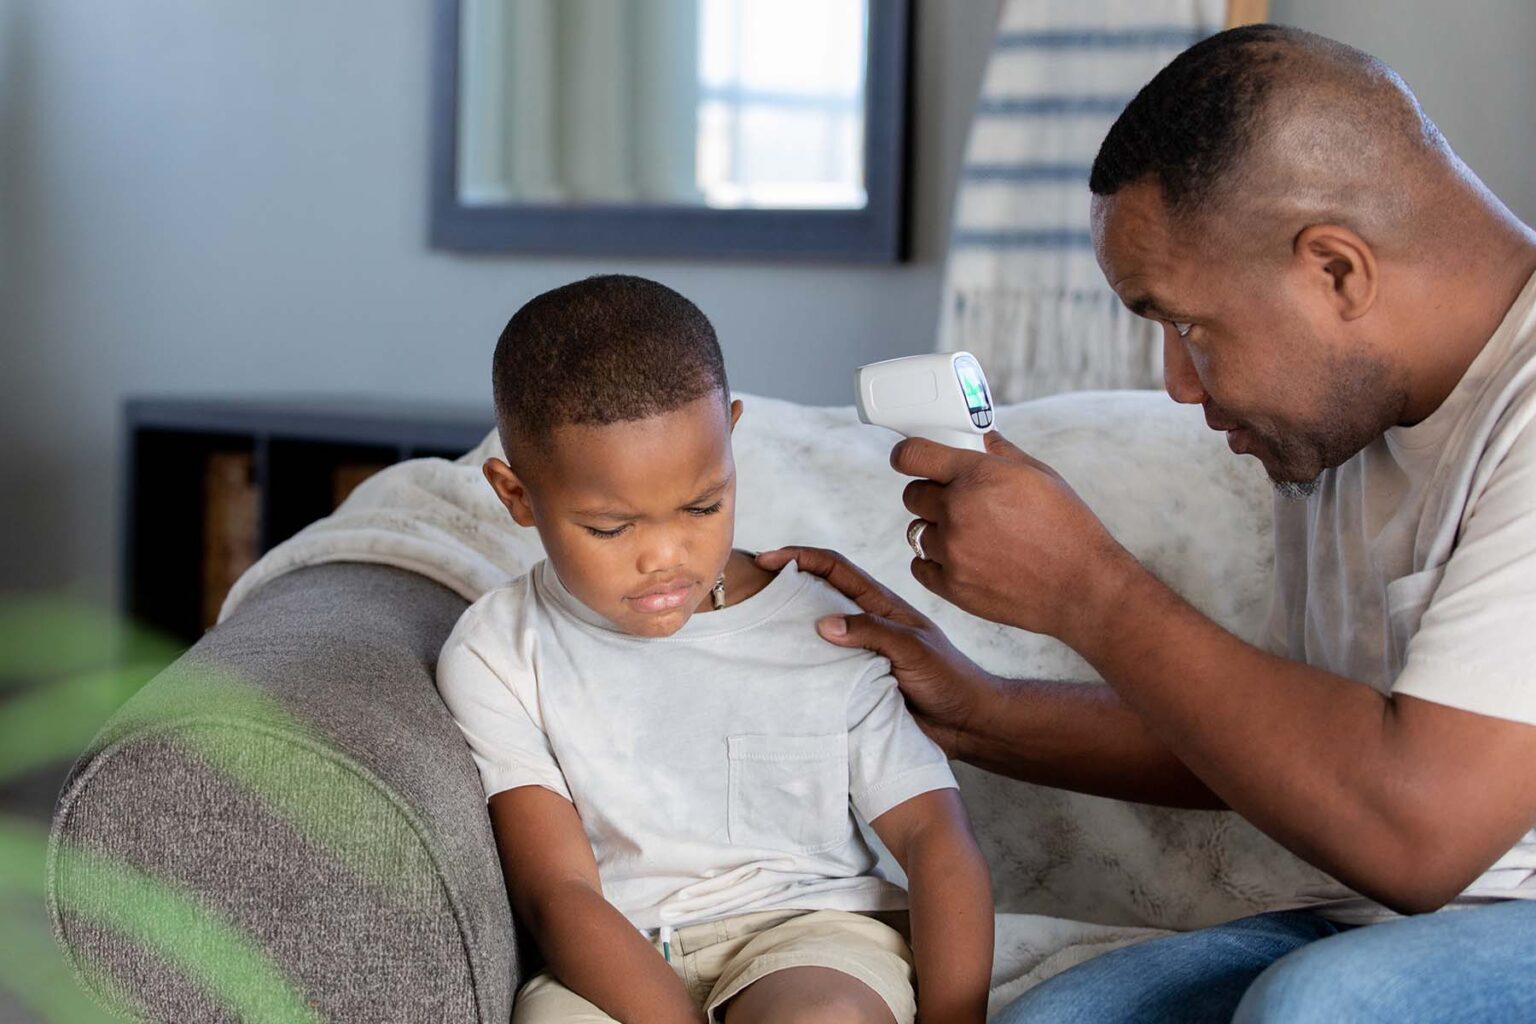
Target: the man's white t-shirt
(1413, 567)
(716, 771)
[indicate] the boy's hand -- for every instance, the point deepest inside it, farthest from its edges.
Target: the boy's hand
(950, 906)
(943, 687)
(556, 892)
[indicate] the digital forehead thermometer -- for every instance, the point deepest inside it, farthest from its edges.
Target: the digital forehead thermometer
(943, 397)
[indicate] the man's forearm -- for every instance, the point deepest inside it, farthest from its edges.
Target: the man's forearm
(595, 952)
(1077, 736)
(1329, 767)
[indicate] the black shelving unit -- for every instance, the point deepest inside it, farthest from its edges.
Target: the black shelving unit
(294, 448)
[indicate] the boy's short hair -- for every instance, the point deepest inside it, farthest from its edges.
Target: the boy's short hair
(603, 350)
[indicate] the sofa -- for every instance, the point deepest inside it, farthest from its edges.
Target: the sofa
(286, 824)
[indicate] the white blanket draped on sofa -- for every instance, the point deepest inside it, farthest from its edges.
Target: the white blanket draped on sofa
(1165, 486)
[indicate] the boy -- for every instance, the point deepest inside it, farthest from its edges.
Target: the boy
(670, 757)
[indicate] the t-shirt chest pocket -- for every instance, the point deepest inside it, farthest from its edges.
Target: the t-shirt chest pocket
(788, 792)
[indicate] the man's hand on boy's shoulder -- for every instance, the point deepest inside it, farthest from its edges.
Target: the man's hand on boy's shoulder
(943, 687)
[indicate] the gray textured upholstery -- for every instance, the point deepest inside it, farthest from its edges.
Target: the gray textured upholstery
(296, 774)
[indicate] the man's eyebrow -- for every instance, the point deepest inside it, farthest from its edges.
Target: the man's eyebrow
(1152, 309)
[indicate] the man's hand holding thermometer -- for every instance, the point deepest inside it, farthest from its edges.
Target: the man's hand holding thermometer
(942, 397)
(998, 533)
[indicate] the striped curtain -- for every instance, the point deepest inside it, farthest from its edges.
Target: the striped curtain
(1022, 290)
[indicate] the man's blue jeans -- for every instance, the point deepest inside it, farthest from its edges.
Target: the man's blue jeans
(1458, 965)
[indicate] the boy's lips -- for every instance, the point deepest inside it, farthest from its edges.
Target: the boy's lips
(663, 597)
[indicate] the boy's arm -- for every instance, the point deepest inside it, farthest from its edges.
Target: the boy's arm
(951, 904)
(592, 948)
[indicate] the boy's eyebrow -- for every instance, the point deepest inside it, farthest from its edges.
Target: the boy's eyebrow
(705, 495)
(605, 513)
(619, 516)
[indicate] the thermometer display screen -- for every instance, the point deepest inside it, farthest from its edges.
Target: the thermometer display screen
(974, 386)
(975, 393)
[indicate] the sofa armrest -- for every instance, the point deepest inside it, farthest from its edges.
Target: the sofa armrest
(291, 793)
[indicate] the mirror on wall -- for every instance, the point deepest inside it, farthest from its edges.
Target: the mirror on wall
(671, 127)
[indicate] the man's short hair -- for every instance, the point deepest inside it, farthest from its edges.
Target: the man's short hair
(1190, 126)
(607, 349)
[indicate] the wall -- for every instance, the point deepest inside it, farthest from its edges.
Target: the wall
(1470, 65)
(231, 197)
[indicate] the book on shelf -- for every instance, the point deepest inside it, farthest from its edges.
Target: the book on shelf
(231, 526)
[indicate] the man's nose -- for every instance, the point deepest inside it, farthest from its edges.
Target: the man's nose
(1179, 377)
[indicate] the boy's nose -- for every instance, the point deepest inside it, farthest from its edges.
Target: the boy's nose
(662, 556)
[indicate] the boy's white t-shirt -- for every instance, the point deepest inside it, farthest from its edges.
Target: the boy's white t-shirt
(716, 771)
(1413, 567)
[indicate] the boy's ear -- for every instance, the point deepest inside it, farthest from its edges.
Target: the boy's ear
(735, 412)
(510, 489)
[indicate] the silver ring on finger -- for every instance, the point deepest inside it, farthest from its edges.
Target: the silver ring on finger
(915, 537)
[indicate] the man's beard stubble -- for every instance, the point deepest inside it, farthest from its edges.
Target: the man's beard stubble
(1296, 490)
(1363, 398)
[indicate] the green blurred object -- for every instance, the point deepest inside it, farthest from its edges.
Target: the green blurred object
(186, 935)
(30, 965)
(66, 668)
(47, 637)
(53, 722)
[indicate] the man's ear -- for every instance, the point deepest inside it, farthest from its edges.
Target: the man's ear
(510, 489)
(735, 413)
(1341, 266)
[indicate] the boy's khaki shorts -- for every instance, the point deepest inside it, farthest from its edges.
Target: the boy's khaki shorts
(718, 959)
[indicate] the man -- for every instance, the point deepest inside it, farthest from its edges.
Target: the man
(1358, 312)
